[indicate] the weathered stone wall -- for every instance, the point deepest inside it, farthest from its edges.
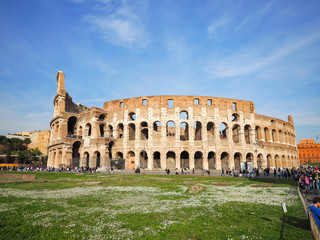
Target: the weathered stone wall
(159, 132)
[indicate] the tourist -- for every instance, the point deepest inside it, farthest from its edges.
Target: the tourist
(317, 182)
(315, 209)
(306, 183)
(222, 172)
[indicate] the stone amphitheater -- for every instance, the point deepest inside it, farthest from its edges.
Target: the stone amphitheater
(168, 132)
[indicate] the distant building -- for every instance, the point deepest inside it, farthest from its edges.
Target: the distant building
(40, 140)
(309, 151)
(19, 135)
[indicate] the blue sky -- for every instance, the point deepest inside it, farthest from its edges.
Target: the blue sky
(263, 51)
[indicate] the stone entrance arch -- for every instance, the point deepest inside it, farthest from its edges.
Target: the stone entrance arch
(86, 159)
(131, 160)
(225, 160)
(198, 160)
(212, 160)
(171, 160)
(156, 160)
(96, 159)
(184, 160)
(237, 159)
(75, 154)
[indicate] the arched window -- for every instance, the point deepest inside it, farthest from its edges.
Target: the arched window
(184, 131)
(131, 131)
(132, 116)
(120, 130)
(144, 132)
(171, 129)
(236, 133)
(247, 130)
(197, 131)
(72, 125)
(183, 115)
(88, 130)
(235, 117)
(223, 130)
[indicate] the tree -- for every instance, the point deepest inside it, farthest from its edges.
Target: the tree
(27, 141)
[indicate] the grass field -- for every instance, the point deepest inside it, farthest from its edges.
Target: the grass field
(62, 206)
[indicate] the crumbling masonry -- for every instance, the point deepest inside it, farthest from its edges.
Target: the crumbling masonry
(159, 132)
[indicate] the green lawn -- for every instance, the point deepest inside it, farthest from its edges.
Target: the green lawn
(61, 206)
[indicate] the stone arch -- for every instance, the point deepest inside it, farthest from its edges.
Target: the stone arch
(120, 130)
(260, 161)
(132, 116)
(144, 132)
(237, 160)
(247, 130)
(223, 130)
(281, 136)
(283, 161)
(171, 160)
(197, 131)
(212, 160)
(119, 162)
(210, 131)
(76, 154)
(79, 132)
(266, 134)
(285, 138)
(274, 136)
(110, 131)
(143, 159)
(249, 157)
(111, 145)
(184, 160)
(236, 133)
(72, 121)
(87, 130)
(96, 159)
(131, 131)
(183, 115)
(54, 159)
(131, 160)
(102, 129)
(184, 131)
(258, 133)
(277, 161)
(86, 159)
(235, 117)
(59, 158)
(156, 160)
(170, 129)
(270, 162)
(198, 160)
(102, 117)
(225, 160)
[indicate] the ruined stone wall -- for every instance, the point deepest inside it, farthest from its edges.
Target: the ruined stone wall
(159, 132)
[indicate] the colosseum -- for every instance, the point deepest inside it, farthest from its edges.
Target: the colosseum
(168, 132)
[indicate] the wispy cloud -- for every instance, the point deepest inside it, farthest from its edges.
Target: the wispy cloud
(122, 25)
(213, 27)
(248, 60)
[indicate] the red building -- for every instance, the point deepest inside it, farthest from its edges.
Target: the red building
(309, 151)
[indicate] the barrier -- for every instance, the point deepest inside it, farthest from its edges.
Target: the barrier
(314, 226)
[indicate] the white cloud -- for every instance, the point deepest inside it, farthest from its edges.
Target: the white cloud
(123, 27)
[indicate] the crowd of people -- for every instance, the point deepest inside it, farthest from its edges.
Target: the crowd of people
(309, 180)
